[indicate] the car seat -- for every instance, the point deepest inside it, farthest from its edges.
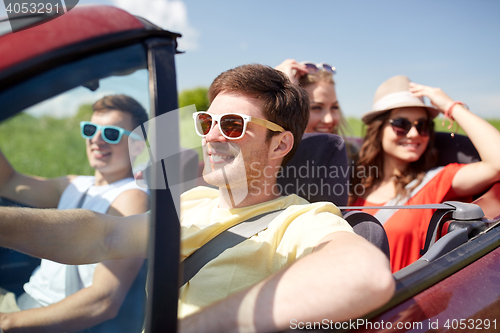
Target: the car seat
(456, 149)
(130, 317)
(305, 176)
(370, 228)
(318, 171)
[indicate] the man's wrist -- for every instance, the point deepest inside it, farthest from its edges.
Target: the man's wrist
(5, 321)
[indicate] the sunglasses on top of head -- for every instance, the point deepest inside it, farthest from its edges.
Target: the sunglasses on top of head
(314, 68)
(402, 126)
(110, 134)
(232, 126)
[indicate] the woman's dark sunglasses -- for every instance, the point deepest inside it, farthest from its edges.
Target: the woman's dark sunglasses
(402, 126)
(110, 134)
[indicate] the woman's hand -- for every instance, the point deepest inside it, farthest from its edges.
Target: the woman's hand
(292, 69)
(438, 97)
(472, 178)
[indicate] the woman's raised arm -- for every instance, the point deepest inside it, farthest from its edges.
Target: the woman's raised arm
(475, 177)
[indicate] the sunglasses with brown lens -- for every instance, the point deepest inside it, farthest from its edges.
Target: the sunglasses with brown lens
(402, 126)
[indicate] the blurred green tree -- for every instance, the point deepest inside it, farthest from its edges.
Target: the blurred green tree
(84, 112)
(197, 96)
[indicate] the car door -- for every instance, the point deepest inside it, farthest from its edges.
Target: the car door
(46, 95)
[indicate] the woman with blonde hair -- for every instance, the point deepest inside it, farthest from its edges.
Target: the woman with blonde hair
(325, 114)
(396, 163)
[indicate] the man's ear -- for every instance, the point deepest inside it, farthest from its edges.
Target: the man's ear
(280, 145)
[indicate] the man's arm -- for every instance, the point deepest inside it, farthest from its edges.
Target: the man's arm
(73, 236)
(86, 308)
(92, 305)
(345, 277)
(30, 190)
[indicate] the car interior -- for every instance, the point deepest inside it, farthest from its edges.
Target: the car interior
(450, 232)
(71, 97)
(131, 57)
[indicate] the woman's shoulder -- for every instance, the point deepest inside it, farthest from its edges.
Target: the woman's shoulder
(436, 183)
(440, 172)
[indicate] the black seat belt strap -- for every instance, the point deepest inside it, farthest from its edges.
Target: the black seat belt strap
(225, 240)
(73, 282)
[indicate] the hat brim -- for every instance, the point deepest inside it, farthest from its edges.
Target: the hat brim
(369, 116)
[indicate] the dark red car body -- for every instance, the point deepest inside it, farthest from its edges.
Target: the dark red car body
(458, 292)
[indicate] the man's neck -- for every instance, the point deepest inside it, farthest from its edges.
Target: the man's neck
(238, 197)
(106, 179)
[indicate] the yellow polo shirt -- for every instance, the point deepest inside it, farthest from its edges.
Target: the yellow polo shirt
(290, 236)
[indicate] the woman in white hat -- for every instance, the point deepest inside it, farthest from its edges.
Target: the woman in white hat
(325, 115)
(397, 159)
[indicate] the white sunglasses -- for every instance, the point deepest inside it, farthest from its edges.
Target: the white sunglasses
(232, 126)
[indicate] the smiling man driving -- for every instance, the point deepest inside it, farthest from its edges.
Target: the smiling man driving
(307, 265)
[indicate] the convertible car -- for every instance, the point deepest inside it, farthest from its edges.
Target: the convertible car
(53, 67)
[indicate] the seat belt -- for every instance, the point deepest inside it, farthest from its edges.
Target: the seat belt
(383, 215)
(73, 282)
(390, 208)
(223, 241)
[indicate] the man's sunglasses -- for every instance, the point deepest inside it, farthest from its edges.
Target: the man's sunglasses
(110, 134)
(231, 125)
(402, 126)
(314, 68)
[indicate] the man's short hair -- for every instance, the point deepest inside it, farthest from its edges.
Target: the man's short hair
(284, 103)
(125, 104)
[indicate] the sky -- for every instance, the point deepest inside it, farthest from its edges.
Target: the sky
(451, 44)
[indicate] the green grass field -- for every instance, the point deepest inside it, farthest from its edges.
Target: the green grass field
(51, 147)
(46, 147)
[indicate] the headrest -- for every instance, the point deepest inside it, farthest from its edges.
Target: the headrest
(457, 149)
(319, 170)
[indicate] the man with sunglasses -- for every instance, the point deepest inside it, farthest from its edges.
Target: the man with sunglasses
(68, 298)
(307, 265)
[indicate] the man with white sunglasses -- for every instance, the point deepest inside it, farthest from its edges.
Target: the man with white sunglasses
(69, 298)
(307, 265)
